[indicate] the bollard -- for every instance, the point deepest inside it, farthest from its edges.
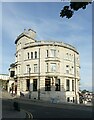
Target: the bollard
(16, 106)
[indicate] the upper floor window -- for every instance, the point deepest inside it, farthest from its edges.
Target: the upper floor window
(67, 69)
(12, 73)
(28, 69)
(53, 67)
(28, 55)
(47, 53)
(46, 67)
(53, 53)
(35, 68)
(67, 56)
(78, 71)
(72, 70)
(35, 54)
(57, 84)
(18, 69)
(31, 55)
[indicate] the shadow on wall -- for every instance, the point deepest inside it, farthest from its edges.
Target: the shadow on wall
(54, 94)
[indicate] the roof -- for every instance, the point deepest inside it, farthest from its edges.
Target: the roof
(25, 33)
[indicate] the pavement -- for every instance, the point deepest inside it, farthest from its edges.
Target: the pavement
(8, 110)
(56, 105)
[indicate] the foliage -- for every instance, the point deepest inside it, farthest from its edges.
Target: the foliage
(68, 11)
(84, 91)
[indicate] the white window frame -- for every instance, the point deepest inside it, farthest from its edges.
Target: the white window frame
(35, 68)
(53, 67)
(53, 53)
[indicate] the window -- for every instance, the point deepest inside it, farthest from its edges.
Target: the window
(53, 53)
(27, 68)
(70, 57)
(72, 85)
(46, 67)
(27, 84)
(18, 69)
(34, 84)
(67, 69)
(12, 73)
(35, 68)
(53, 67)
(78, 71)
(47, 85)
(73, 100)
(67, 56)
(31, 55)
(72, 70)
(47, 53)
(28, 55)
(68, 99)
(57, 84)
(35, 54)
(67, 85)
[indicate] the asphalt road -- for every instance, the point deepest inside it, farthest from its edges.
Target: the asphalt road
(52, 112)
(48, 111)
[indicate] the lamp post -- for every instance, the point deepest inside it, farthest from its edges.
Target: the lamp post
(29, 84)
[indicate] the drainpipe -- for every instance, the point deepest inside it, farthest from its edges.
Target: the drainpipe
(39, 77)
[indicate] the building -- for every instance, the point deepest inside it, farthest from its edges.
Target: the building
(46, 70)
(4, 78)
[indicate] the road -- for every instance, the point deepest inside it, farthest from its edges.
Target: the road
(44, 110)
(39, 111)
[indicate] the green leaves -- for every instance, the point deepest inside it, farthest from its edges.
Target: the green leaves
(68, 11)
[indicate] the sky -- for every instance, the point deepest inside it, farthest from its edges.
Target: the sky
(43, 17)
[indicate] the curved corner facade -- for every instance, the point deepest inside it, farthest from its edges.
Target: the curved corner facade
(46, 70)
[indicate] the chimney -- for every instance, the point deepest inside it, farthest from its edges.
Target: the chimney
(32, 33)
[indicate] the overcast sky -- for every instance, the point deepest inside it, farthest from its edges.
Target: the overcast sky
(44, 19)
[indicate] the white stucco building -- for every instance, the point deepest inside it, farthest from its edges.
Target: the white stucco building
(46, 70)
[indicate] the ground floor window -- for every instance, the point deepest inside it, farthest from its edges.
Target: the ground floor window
(57, 84)
(47, 85)
(27, 84)
(68, 99)
(34, 84)
(73, 100)
(67, 85)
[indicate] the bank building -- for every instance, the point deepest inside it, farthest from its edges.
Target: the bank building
(45, 70)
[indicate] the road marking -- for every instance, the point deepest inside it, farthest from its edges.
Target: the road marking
(30, 116)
